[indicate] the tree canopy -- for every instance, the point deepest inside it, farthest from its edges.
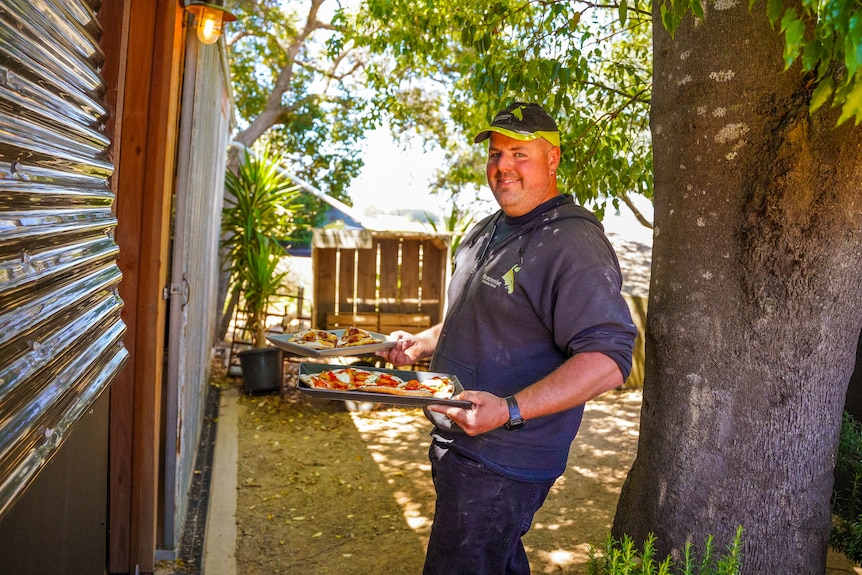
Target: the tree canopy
(590, 70)
(291, 95)
(442, 69)
(313, 77)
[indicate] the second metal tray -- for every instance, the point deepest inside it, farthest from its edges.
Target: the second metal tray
(281, 340)
(312, 368)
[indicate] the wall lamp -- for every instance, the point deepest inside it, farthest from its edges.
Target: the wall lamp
(209, 20)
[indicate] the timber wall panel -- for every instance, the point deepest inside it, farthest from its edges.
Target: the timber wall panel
(366, 285)
(393, 273)
(324, 264)
(389, 289)
(346, 278)
(433, 277)
(410, 276)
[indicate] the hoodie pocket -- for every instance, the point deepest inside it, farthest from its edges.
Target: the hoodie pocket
(466, 377)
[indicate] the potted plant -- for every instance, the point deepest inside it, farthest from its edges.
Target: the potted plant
(256, 219)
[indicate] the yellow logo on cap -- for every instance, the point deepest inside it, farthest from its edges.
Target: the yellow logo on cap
(519, 113)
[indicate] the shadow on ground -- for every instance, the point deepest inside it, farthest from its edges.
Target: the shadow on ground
(327, 491)
(323, 490)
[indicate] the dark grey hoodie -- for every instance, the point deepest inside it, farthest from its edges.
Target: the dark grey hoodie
(520, 304)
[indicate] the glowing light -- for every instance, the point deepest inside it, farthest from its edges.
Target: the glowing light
(209, 20)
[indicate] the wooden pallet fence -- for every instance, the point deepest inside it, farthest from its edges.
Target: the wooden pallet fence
(363, 273)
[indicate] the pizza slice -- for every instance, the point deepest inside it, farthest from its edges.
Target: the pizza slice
(315, 339)
(354, 336)
(347, 379)
(355, 379)
(438, 386)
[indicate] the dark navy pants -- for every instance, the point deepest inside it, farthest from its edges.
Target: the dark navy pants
(479, 518)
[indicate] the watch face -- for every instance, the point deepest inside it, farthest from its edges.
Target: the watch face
(514, 424)
(515, 419)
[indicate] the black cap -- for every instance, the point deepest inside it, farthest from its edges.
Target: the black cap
(523, 122)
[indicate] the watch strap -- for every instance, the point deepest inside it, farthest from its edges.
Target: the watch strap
(516, 421)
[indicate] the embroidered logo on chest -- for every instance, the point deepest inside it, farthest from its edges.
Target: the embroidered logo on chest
(508, 279)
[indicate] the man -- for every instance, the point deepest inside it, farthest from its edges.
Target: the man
(536, 326)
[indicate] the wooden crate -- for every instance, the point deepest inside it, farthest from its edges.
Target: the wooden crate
(367, 321)
(409, 322)
(400, 276)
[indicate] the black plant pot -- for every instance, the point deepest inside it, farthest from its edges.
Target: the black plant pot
(262, 369)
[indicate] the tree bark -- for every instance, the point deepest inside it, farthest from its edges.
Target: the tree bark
(754, 309)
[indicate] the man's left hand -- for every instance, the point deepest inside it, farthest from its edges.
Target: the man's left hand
(488, 412)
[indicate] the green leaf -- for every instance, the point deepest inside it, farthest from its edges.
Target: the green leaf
(851, 56)
(812, 55)
(666, 21)
(821, 93)
(774, 10)
(789, 18)
(794, 32)
(853, 104)
(622, 11)
(854, 27)
(697, 9)
(467, 33)
(484, 43)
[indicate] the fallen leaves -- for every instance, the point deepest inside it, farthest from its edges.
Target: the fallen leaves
(311, 490)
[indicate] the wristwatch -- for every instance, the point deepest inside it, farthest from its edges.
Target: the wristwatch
(515, 419)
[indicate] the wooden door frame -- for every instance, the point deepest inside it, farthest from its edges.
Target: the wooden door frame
(143, 41)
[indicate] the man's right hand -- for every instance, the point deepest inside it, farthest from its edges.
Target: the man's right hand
(406, 351)
(409, 348)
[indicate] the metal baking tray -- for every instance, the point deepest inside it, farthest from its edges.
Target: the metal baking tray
(281, 340)
(312, 368)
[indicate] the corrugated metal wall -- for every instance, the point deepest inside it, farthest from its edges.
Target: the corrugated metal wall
(60, 326)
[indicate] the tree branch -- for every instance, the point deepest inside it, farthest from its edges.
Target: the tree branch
(640, 217)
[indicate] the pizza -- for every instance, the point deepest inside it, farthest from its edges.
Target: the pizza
(321, 339)
(315, 339)
(356, 379)
(355, 336)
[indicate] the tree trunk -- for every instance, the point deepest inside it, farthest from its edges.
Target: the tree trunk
(754, 308)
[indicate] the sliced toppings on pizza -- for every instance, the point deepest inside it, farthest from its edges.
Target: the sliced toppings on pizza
(388, 380)
(439, 386)
(354, 379)
(315, 339)
(355, 336)
(341, 379)
(321, 339)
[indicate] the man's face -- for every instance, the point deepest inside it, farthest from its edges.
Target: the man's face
(522, 175)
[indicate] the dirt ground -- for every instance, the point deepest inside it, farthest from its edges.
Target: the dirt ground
(325, 490)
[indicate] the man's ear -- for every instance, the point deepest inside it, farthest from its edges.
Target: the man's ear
(554, 158)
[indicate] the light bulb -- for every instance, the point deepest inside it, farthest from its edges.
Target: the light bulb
(209, 25)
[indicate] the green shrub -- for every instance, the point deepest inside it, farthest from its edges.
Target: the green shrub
(847, 496)
(620, 557)
(257, 217)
